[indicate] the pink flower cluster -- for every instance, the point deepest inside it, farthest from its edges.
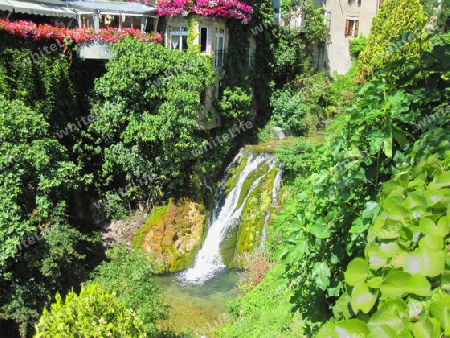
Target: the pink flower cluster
(28, 29)
(233, 9)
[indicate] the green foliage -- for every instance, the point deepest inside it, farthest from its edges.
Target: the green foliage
(265, 311)
(92, 313)
(399, 279)
(430, 6)
(324, 227)
(145, 119)
(312, 30)
(443, 19)
(357, 45)
(394, 18)
(291, 113)
(235, 103)
(128, 274)
(267, 133)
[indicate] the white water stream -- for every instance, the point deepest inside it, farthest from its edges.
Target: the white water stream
(208, 260)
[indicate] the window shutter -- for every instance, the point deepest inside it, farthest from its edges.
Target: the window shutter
(356, 27)
(347, 23)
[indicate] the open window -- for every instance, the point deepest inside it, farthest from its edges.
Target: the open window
(354, 2)
(351, 28)
(203, 40)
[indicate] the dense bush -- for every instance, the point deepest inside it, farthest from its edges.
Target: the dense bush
(146, 108)
(129, 275)
(92, 313)
(324, 226)
(394, 18)
(291, 113)
(357, 45)
(402, 281)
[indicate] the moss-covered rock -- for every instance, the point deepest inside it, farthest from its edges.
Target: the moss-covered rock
(173, 234)
(245, 235)
(228, 245)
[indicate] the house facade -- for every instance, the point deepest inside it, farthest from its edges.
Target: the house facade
(210, 36)
(345, 19)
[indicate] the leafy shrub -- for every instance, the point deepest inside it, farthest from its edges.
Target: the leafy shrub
(92, 313)
(324, 226)
(267, 133)
(291, 113)
(400, 287)
(235, 103)
(357, 45)
(129, 275)
(264, 312)
(394, 18)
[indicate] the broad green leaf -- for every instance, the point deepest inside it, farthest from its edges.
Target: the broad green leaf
(321, 273)
(374, 282)
(426, 328)
(418, 285)
(382, 331)
(443, 180)
(425, 260)
(432, 241)
(341, 307)
(389, 315)
(357, 271)
(394, 283)
(377, 257)
(440, 309)
(444, 225)
(362, 299)
(398, 212)
(351, 328)
(327, 331)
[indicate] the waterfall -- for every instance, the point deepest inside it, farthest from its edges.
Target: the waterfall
(208, 260)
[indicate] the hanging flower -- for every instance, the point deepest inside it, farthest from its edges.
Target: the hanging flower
(28, 29)
(233, 9)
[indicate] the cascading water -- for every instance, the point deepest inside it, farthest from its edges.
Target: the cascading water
(208, 260)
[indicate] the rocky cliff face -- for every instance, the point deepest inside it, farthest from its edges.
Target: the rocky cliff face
(173, 234)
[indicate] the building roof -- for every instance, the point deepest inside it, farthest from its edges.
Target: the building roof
(70, 8)
(43, 8)
(109, 7)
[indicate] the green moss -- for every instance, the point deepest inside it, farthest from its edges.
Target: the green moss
(254, 214)
(272, 145)
(261, 170)
(228, 246)
(234, 174)
(154, 218)
(173, 234)
(247, 235)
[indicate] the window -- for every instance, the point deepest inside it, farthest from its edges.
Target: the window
(178, 38)
(220, 47)
(354, 2)
(203, 40)
(351, 27)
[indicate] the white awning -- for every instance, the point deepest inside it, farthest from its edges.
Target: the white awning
(5, 6)
(41, 9)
